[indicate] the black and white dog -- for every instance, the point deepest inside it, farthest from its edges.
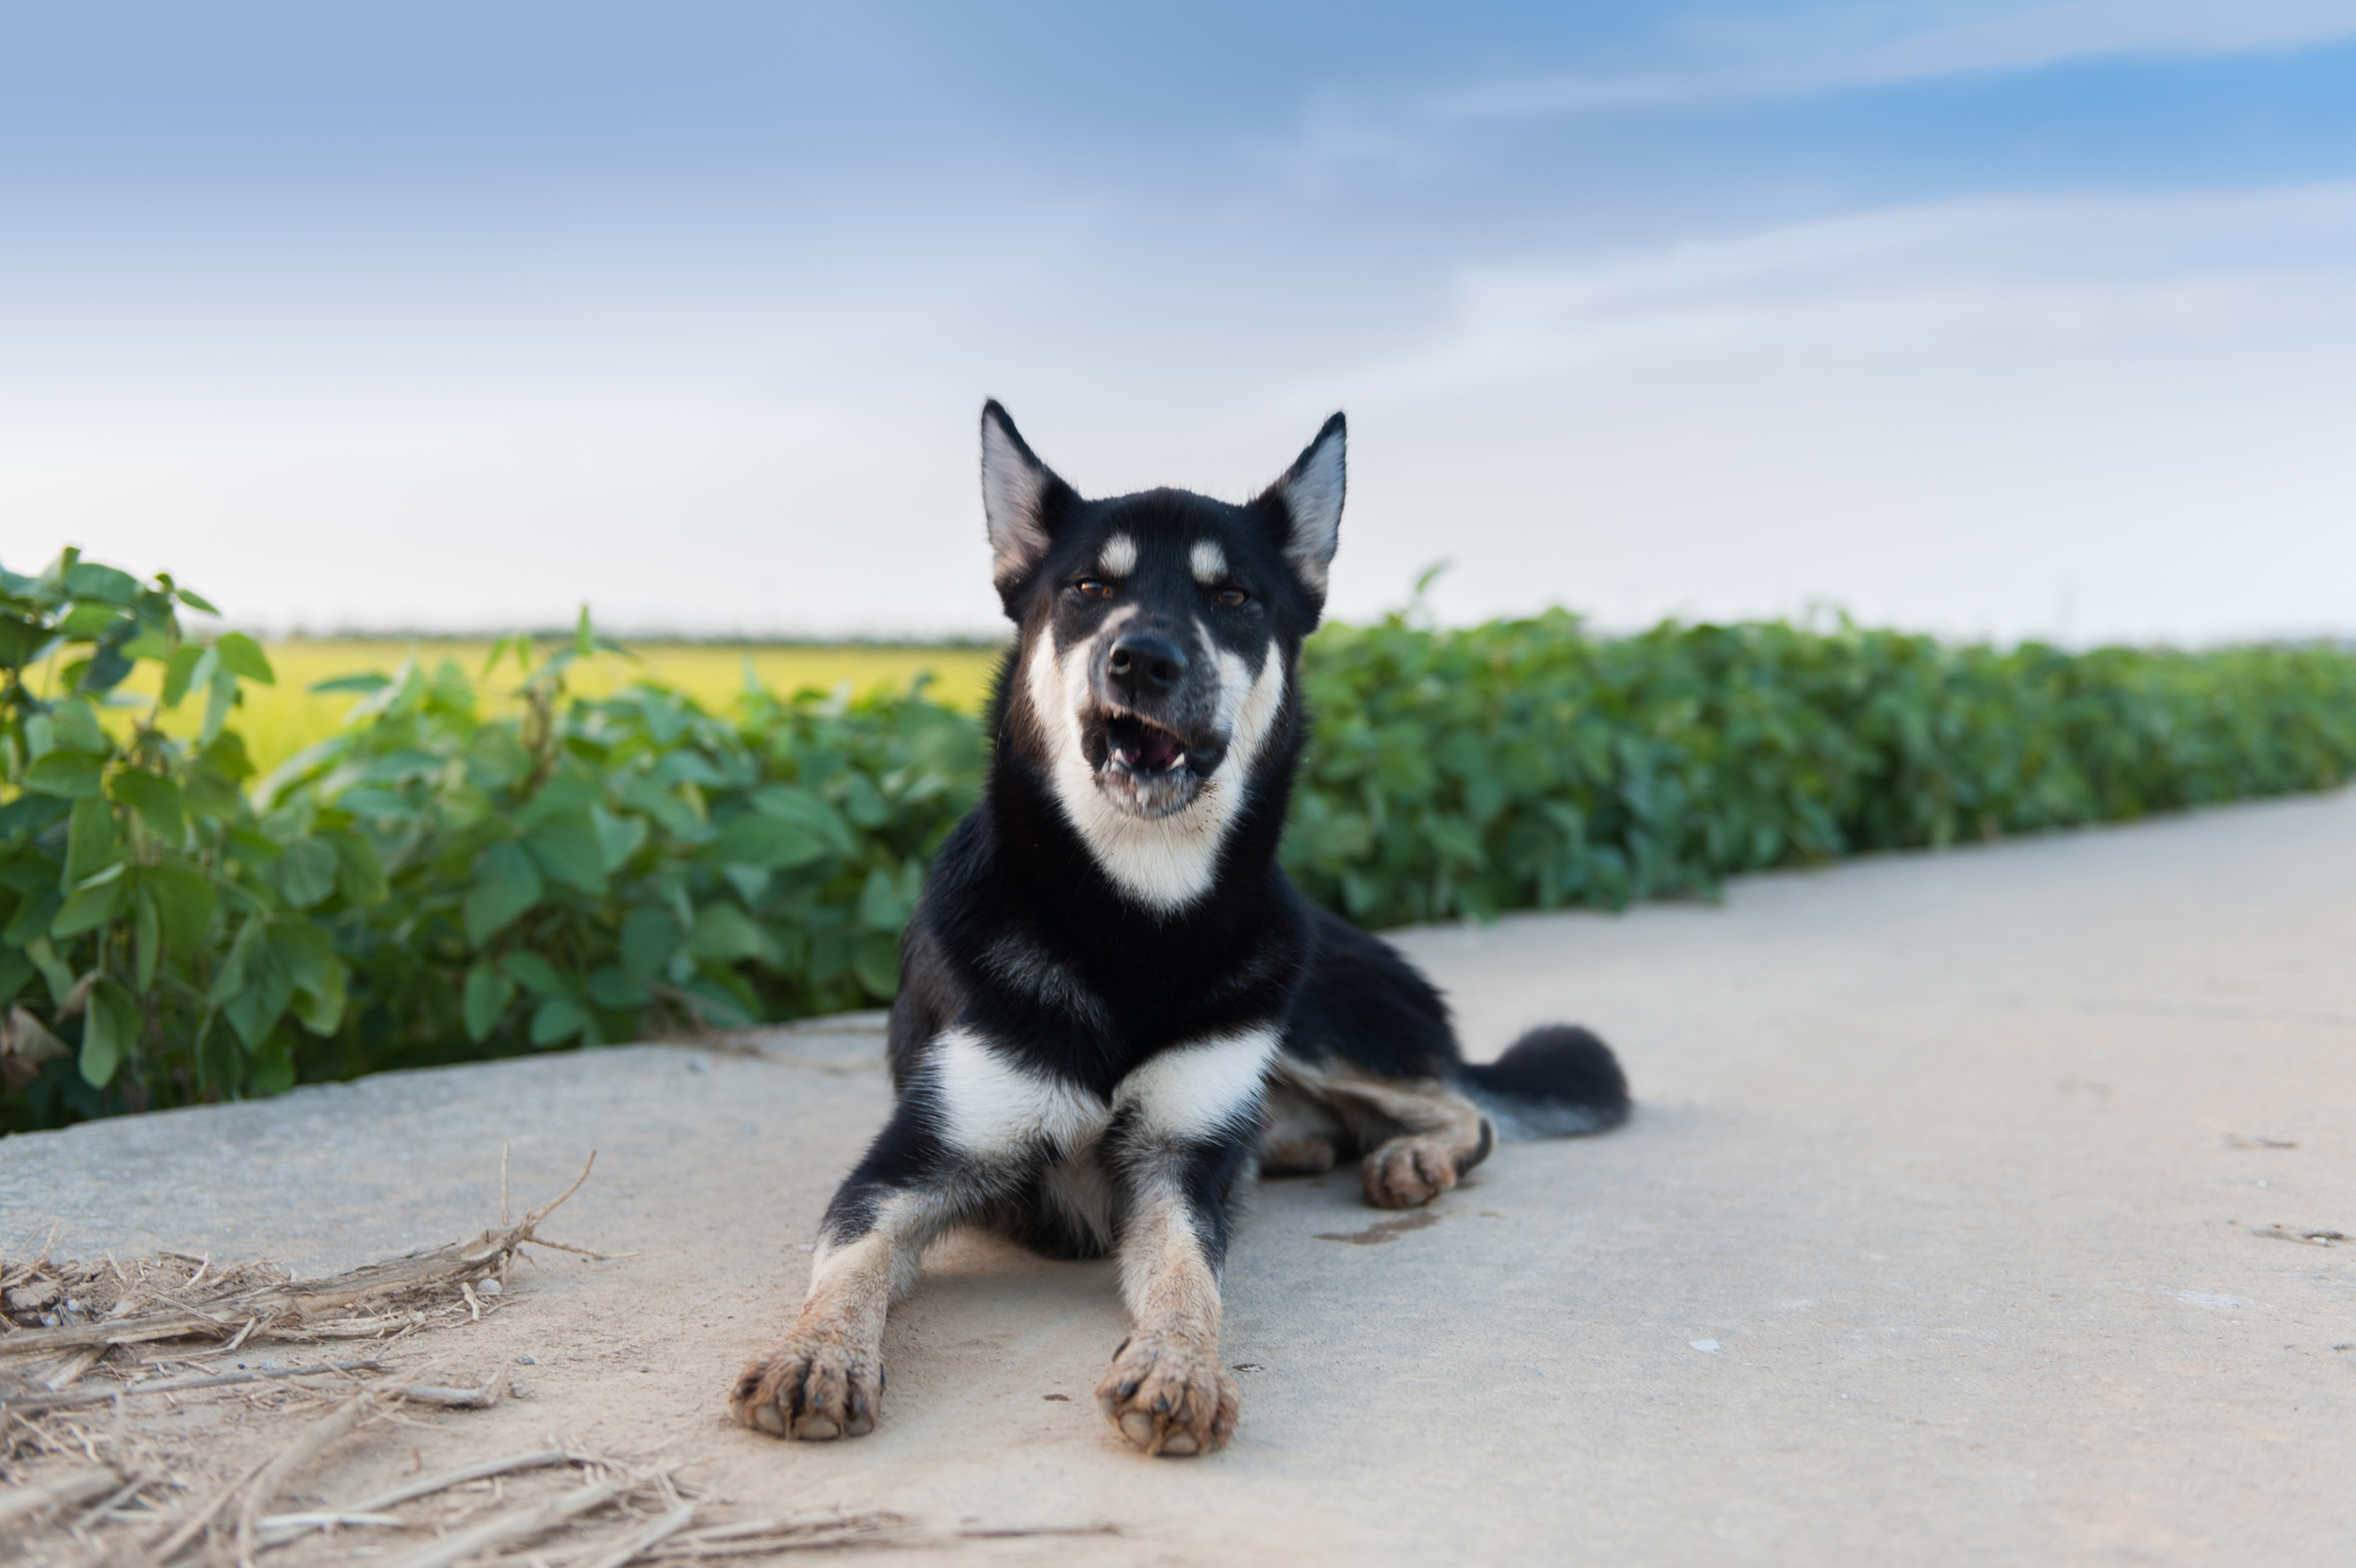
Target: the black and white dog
(1112, 1003)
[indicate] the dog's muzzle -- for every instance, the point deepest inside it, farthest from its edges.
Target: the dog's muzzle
(1153, 739)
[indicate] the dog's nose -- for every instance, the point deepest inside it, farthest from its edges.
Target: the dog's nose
(1143, 665)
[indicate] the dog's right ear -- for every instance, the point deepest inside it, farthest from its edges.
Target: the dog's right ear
(1022, 500)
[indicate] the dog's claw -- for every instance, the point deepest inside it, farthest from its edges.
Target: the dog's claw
(1168, 1395)
(814, 1387)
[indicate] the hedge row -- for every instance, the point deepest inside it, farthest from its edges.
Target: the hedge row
(448, 878)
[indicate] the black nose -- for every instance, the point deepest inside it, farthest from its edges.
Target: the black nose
(1143, 665)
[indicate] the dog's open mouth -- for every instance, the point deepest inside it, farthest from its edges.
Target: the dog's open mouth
(1144, 749)
(1145, 768)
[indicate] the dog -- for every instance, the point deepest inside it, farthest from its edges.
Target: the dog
(1112, 1003)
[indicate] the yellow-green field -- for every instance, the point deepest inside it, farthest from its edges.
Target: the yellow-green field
(278, 721)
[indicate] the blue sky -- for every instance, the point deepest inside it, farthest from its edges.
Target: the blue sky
(2002, 318)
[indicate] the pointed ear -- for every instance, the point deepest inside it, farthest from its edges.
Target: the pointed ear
(1019, 494)
(1311, 496)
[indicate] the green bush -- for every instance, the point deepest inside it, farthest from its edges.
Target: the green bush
(434, 882)
(471, 869)
(1523, 764)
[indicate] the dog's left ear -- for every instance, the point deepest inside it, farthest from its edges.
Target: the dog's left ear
(1022, 500)
(1310, 495)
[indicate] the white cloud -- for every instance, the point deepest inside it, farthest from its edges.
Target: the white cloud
(2089, 418)
(1811, 56)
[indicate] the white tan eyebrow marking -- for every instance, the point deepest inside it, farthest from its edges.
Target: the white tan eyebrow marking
(1118, 557)
(1209, 562)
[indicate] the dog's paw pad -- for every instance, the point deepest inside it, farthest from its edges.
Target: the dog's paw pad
(1168, 1395)
(812, 1388)
(1408, 1172)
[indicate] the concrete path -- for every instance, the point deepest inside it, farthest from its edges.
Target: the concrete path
(1960, 1223)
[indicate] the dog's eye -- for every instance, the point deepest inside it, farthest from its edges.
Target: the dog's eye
(1232, 596)
(1095, 587)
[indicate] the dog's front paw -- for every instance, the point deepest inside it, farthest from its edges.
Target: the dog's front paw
(812, 1386)
(1168, 1395)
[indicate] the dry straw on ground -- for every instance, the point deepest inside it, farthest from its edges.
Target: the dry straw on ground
(90, 1353)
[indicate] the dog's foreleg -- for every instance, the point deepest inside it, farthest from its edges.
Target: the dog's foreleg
(826, 1378)
(1165, 1390)
(1186, 1126)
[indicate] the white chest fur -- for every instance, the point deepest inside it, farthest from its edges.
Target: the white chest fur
(992, 1107)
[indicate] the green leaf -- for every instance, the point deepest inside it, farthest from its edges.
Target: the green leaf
(489, 993)
(28, 814)
(147, 928)
(179, 673)
(505, 884)
(618, 838)
(613, 988)
(184, 905)
(322, 1010)
(194, 600)
(67, 774)
(307, 954)
(21, 640)
(365, 684)
(649, 937)
(359, 870)
(88, 906)
(883, 904)
(155, 798)
(87, 622)
(229, 976)
(221, 695)
(568, 852)
(151, 643)
(241, 655)
(273, 1063)
(791, 803)
(89, 839)
(87, 580)
(537, 974)
(769, 842)
(875, 960)
(74, 725)
(713, 1005)
(725, 934)
(54, 973)
(110, 1022)
(560, 1018)
(306, 872)
(264, 997)
(15, 969)
(32, 918)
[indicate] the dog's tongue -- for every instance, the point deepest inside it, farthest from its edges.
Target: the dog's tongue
(1159, 750)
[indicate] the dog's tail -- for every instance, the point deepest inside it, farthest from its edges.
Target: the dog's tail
(1554, 1081)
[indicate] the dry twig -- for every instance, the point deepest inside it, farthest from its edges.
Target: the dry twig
(525, 1523)
(36, 1403)
(306, 1447)
(286, 1308)
(23, 1503)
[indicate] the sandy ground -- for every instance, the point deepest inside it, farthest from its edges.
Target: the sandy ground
(1958, 1224)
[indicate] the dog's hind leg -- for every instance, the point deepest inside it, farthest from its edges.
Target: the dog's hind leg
(1421, 1134)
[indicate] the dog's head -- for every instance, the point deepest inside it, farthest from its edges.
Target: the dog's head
(1158, 633)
